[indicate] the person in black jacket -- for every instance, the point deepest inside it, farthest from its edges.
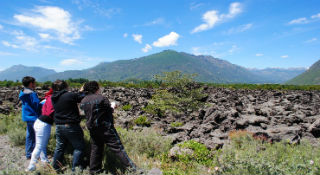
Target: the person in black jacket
(67, 120)
(100, 123)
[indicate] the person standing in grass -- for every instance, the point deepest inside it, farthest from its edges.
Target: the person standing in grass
(100, 123)
(42, 128)
(31, 110)
(67, 120)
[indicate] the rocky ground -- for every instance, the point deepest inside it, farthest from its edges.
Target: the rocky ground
(271, 115)
(11, 158)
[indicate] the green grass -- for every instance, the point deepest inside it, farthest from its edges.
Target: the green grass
(127, 107)
(135, 83)
(176, 124)
(148, 149)
(142, 121)
(266, 86)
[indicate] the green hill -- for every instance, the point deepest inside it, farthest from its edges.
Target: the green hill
(309, 77)
(209, 69)
(17, 72)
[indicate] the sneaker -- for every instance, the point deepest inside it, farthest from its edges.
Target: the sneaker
(30, 169)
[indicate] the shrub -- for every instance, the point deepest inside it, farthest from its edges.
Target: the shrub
(147, 142)
(14, 127)
(176, 124)
(201, 154)
(182, 94)
(256, 157)
(127, 107)
(17, 136)
(142, 121)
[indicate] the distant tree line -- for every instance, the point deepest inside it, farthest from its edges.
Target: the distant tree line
(160, 81)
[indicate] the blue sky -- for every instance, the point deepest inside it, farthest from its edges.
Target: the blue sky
(79, 34)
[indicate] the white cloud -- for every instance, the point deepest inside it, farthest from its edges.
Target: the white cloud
(299, 21)
(27, 41)
(233, 49)
(211, 18)
(167, 40)
(96, 8)
(259, 54)
(305, 20)
(195, 5)
(1, 27)
(234, 9)
(284, 56)
(196, 51)
(311, 40)
(125, 35)
(52, 19)
(69, 62)
(239, 29)
(6, 43)
(155, 22)
(137, 38)
(6, 54)
(23, 41)
(216, 49)
(315, 16)
(147, 48)
(44, 35)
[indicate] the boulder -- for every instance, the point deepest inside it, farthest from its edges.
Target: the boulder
(177, 151)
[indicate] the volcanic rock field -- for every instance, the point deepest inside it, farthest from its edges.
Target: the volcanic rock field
(269, 114)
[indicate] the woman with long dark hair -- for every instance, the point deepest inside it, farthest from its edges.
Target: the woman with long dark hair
(67, 120)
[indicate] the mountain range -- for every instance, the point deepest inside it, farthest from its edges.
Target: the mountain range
(17, 72)
(309, 77)
(208, 69)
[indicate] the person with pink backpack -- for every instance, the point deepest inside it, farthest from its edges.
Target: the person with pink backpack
(42, 127)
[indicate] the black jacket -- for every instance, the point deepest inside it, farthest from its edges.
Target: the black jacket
(97, 110)
(65, 106)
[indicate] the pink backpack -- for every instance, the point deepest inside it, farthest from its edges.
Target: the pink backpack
(47, 108)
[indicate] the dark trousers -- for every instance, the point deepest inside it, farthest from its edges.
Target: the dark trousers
(72, 134)
(108, 135)
(30, 139)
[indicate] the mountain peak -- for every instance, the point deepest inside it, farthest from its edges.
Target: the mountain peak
(17, 72)
(144, 68)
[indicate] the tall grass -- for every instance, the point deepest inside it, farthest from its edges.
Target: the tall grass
(243, 155)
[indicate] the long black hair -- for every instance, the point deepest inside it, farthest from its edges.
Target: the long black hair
(91, 87)
(59, 85)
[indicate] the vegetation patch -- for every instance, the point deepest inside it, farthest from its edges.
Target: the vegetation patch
(244, 154)
(176, 124)
(180, 95)
(127, 107)
(142, 121)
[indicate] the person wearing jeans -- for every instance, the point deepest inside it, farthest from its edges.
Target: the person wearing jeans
(42, 128)
(98, 111)
(67, 120)
(31, 110)
(73, 134)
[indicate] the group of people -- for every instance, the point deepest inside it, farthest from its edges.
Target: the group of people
(60, 107)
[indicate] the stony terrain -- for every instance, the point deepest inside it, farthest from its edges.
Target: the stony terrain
(271, 115)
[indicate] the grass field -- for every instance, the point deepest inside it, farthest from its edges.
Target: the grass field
(148, 149)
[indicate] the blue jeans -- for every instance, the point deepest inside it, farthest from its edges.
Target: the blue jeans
(43, 131)
(73, 134)
(30, 139)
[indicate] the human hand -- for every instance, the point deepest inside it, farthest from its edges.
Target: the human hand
(114, 105)
(82, 89)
